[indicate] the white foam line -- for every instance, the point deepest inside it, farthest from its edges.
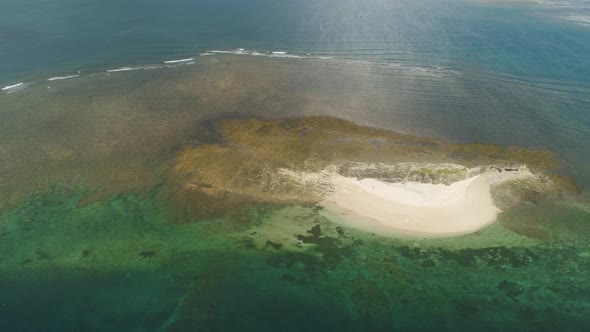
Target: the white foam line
(223, 52)
(120, 69)
(150, 67)
(146, 67)
(435, 71)
(241, 51)
(285, 55)
(58, 78)
(270, 54)
(178, 61)
(8, 87)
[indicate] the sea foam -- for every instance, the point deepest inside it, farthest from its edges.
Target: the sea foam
(14, 87)
(147, 67)
(179, 61)
(270, 54)
(59, 78)
(8, 87)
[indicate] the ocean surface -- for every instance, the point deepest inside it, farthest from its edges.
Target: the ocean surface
(98, 96)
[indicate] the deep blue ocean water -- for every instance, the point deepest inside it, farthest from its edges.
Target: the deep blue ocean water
(528, 39)
(486, 71)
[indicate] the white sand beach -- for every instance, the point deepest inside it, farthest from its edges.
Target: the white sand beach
(414, 208)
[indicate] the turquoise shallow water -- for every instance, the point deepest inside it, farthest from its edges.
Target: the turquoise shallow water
(89, 242)
(119, 265)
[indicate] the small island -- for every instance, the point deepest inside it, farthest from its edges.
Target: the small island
(366, 178)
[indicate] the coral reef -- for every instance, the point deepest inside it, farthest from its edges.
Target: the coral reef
(288, 161)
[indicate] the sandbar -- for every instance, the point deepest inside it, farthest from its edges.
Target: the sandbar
(412, 208)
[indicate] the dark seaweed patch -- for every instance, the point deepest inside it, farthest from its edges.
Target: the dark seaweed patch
(147, 253)
(274, 245)
(248, 242)
(309, 263)
(498, 257)
(40, 254)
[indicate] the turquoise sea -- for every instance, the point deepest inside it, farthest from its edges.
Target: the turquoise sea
(99, 96)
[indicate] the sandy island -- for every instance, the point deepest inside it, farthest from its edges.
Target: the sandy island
(413, 208)
(366, 178)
